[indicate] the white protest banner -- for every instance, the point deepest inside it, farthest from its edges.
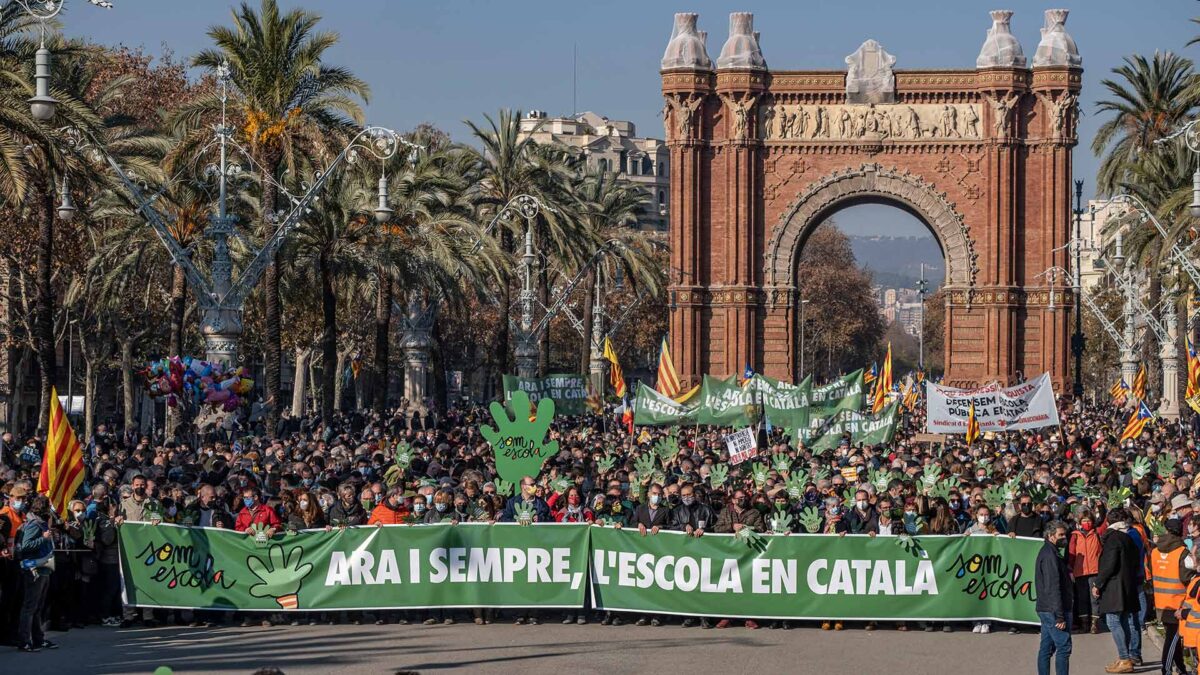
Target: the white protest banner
(742, 444)
(1029, 405)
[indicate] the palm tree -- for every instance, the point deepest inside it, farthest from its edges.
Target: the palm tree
(331, 246)
(608, 208)
(288, 99)
(1148, 101)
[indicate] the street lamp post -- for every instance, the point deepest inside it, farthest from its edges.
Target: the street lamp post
(803, 303)
(922, 289)
(1078, 342)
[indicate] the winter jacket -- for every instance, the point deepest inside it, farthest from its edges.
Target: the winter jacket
(1083, 553)
(1052, 581)
(1119, 576)
(749, 517)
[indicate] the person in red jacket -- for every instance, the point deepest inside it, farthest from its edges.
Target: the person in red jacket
(254, 512)
(568, 507)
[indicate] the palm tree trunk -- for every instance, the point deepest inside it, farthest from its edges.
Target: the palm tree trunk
(543, 292)
(128, 391)
(273, 347)
(178, 307)
(589, 300)
(303, 354)
(383, 320)
(329, 355)
(43, 337)
(89, 396)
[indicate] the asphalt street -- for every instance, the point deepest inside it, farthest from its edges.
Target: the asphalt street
(549, 648)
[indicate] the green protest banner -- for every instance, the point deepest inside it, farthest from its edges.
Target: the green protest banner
(476, 565)
(568, 391)
(816, 576)
(782, 401)
(863, 428)
(654, 409)
(844, 393)
(726, 403)
(391, 567)
(519, 442)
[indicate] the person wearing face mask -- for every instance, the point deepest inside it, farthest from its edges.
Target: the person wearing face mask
(137, 505)
(305, 512)
(736, 515)
(12, 517)
(1083, 555)
(528, 496)
(1025, 523)
(254, 512)
(1055, 599)
(862, 518)
(441, 511)
(984, 525)
(650, 516)
(347, 511)
(1170, 576)
(568, 507)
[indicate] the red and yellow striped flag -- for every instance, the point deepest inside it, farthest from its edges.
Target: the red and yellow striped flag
(62, 466)
(1137, 422)
(1139, 384)
(883, 385)
(972, 426)
(668, 379)
(615, 376)
(1119, 392)
(1193, 367)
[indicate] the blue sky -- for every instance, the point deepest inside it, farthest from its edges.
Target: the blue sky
(450, 60)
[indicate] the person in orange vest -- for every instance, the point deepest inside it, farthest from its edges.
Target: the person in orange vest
(1189, 617)
(12, 517)
(1170, 576)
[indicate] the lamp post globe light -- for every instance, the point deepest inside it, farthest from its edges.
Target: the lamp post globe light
(42, 105)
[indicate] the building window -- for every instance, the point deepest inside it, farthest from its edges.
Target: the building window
(602, 164)
(647, 166)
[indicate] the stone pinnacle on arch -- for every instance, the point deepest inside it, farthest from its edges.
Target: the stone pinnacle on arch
(1056, 48)
(687, 48)
(742, 49)
(1001, 49)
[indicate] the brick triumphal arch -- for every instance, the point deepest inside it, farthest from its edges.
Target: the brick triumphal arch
(760, 157)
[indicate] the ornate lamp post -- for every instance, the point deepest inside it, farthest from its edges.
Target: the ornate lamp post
(43, 106)
(1078, 342)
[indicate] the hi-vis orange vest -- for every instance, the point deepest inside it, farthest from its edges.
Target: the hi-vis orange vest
(1189, 628)
(1168, 587)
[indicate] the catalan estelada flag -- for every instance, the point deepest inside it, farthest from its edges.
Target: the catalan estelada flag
(615, 376)
(884, 383)
(1138, 391)
(62, 466)
(668, 379)
(870, 375)
(1137, 422)
(972, 425)
(1119, 391)
(1193, 367)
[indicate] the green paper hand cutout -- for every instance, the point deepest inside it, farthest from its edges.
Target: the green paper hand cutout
(718, 475)
(1166, 466)
(781, 522)
(781, 464)
(645, 467)
(795, 484)
(282, 578)
(520, 445)
(1141, 467)
(606, 463)
(810, 519)
(504, 488)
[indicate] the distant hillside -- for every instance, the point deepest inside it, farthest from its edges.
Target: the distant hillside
(896, 261)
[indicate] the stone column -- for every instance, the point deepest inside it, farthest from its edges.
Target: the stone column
(416, 340)
(1170, 364)
(222, 330)
(526, 354)
(597, 365)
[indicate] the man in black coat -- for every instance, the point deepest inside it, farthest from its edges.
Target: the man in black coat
(1117, 585)
(1055, 595)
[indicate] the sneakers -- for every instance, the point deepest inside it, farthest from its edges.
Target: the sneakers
(837, 625)
(430, 621)
(655, 622)
(46, 644)
(111, 622)
(1119, 666)
(723, 623)
(688, 623)
(825, 625)
(27, 647)
(641, 622)
(870, 626)
(705, 623)
(478, 621)
(985, 628)
(569, 620)
(977, 628)
(606, 621)
(581, 620)
(448, 622)
(751, 624)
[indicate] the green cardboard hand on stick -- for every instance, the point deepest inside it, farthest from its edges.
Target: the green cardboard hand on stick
(520, 442)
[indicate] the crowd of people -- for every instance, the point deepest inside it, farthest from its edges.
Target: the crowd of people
(312, 473)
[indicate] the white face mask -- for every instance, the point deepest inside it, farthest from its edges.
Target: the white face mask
(861, 504)
(983, 518)
(303, 503)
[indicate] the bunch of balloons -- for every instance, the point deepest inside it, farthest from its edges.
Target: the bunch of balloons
(190, 381)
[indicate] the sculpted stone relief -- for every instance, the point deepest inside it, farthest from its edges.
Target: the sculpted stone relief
(917, 121)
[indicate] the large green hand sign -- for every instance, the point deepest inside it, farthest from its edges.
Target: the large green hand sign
(282, 578)
(520, 443)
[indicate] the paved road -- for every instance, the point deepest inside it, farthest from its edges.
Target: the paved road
(549, 648)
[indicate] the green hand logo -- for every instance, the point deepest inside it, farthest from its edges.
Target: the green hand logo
(523, 513)
(504, 488)
(943, 488)
(994, 498)
(781, 522)
(718, 475)
(751, 539)
(1166, 465)
(810, 519)
(606, 463)
(560, 484)
(1141, 467)
(404, 455)
(282, 579)
(820, 474)
(795, 484)
(781, 464)
(667, 448)
(758, 472)
(645, 467)
(880, 480)
(930, 478)
(519, 443)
